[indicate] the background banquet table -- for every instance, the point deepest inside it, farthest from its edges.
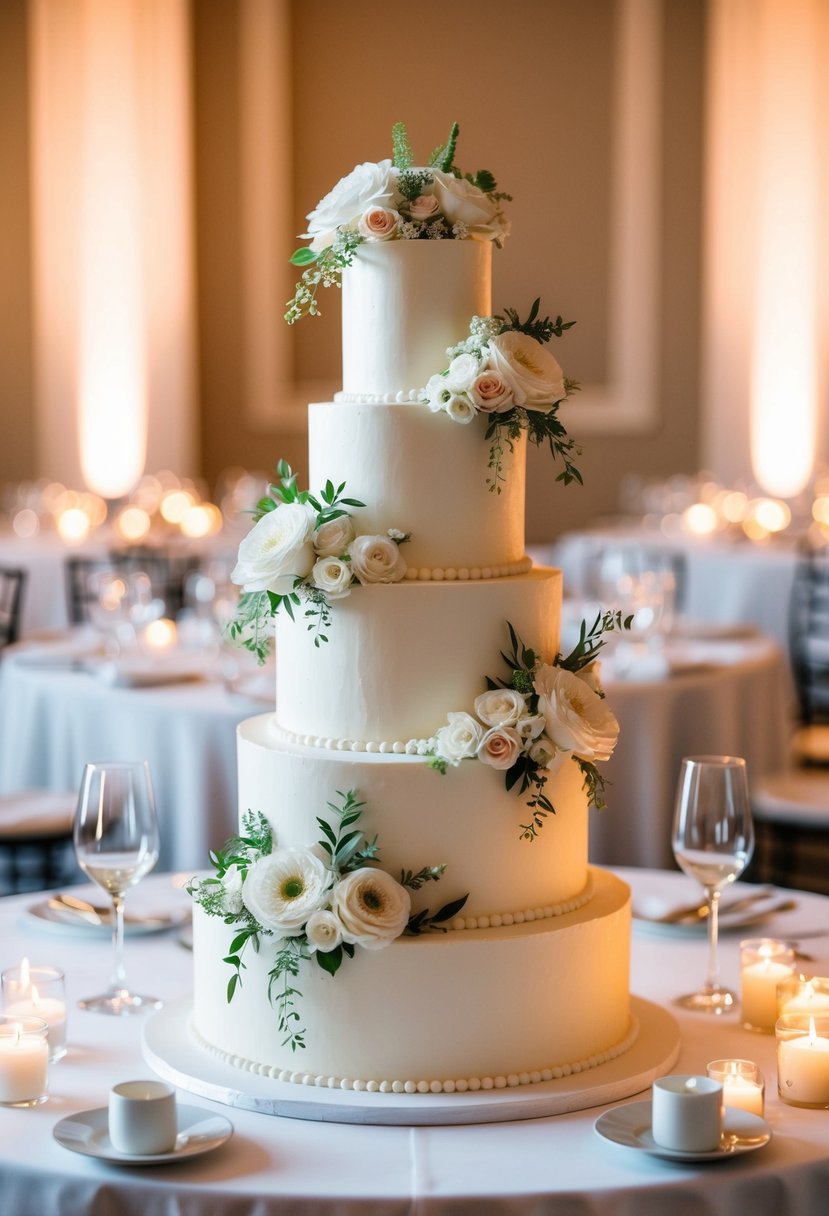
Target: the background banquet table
(274, 1166)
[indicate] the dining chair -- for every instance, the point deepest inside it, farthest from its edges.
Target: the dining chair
(36, 840)
(12, 586)
(167, 573)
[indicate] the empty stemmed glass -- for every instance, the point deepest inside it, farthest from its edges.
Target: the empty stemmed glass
(713, 838)
(116, 844)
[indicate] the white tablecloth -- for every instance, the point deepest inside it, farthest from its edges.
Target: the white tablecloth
(282, 1167)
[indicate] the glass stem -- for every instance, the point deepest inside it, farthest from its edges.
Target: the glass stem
(119, 978)
(713, 933)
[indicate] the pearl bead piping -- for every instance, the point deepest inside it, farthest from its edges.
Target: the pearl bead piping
(464, 574)
(421, 1086)
(411, 396)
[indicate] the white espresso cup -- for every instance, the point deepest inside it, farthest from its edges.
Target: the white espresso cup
(142, 1117)
(686, 1114)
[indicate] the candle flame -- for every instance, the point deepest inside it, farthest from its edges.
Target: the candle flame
(35, 996)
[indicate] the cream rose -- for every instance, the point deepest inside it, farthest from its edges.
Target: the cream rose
(277, 550)
(323, 931)
(532, 373)
(372, 908)
(282, 889)
(500, 706)
(461, 372)
(367, 185)
(332, 539)
(463, 203)
(576, 718)
(333, 577)
(490, 393)
(460, 409)
(377, 559)
(378, 224)
(459, 739)
(424, 207)
(500, 747)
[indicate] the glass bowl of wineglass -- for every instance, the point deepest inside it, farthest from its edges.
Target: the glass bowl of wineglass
(713, 839)
(116, 843)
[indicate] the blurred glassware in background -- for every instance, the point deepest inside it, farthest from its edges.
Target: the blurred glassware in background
(642, 585)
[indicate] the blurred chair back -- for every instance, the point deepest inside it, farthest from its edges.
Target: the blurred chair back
(12, 584)
(809, 636)
(166, 572)
(36, 840)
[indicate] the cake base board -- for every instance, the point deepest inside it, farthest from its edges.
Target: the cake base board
(170, 1049)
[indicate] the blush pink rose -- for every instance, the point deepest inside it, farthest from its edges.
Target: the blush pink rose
(424, 207)
(500, 747)
(378, 224)
(491, 394)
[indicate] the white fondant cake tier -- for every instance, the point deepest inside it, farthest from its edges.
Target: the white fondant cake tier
(465, 819)
(426, 475)
(401, 656)
(404, 303)
(440, 1006)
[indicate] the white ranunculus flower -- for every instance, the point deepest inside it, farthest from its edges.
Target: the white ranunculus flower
(462, 371)
(368, 185)
(377, 559)
(576, 718)
(332, 539)
(277, 550)
(438, 393)
(460, 409)
(323, 931)
(459, 739)
(282, 889)
(532, 373)
(500, 706)
(372, 908)
(490, 393)
(378, 224)
(591, 674)
(333, 577)
(463, 203)
(500, 747)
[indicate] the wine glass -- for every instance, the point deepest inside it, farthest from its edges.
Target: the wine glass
(116, 844)
(713, 838)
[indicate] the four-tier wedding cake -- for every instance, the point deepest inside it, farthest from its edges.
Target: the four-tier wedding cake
(408, 905)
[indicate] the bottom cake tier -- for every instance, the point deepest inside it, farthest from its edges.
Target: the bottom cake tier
(440, 1011)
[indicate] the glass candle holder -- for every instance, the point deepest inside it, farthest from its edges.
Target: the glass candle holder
(24, 1061)
(764, 963)
(743, 1086)
(807, 994)
(803, 1060)
(37, 992)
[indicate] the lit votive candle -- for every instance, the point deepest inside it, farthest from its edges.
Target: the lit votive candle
(37, 992)
(24, 1056)
(742, 1084)
(764, 964)
(687, 1113)
(803, 1060)
(804, 994)
(159, 635)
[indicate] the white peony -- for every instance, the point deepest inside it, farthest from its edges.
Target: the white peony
(277, 550)
(532, 373)
(463, 203)
(377, 559)
(459, 739)
(378, 224)
(332, 539)
(461, 373)
(576, 718)
(372, 908)
(500, 706)
(460, 409)
(333, 577)
(282, 889)
(491, 394)
(323, 931)
(368, 185)
(500, 747)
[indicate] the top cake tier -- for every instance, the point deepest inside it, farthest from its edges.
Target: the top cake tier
(404, 304)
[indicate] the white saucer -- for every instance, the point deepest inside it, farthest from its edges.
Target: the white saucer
(46, 916)
(199, 1131)
(630, 1125)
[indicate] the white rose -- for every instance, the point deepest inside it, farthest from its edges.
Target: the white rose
(500, 747)
(437, 393)
(284, 888)
(491, 393)
(576, 719)
(332, 539)
(277, 550)
(365, 186)
(459, 739)
(528, 369)
(378, 224)
(372, 908)
(460, 409)
(333, 577)
(424, 207)
(377, 559)
(463, 203)
(462, 371)
(323, 931)
(500, 706)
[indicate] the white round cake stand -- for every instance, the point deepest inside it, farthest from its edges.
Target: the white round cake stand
(172, 1051)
